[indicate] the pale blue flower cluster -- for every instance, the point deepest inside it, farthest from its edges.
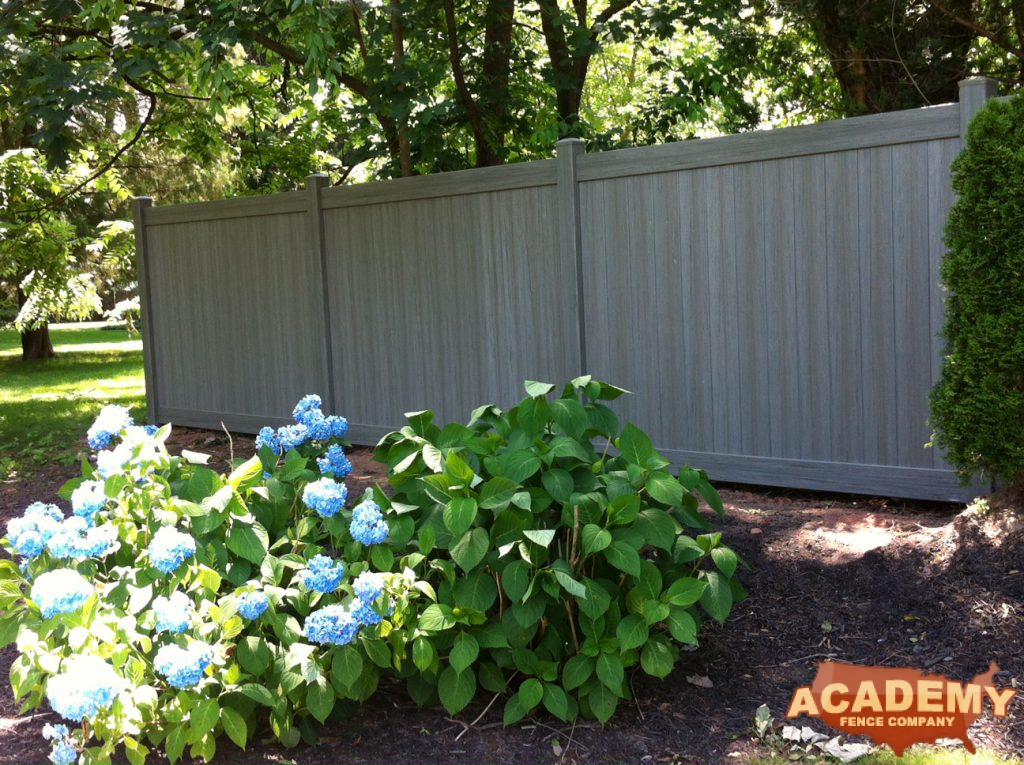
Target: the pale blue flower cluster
(183, 667)
(88, 499)
(326, 496)
(64, 751)
(364, 613)
(150, 430)
(110, 463)
(368, 586)
(252, 605)
(169, 548)
(368, 525)
(111, 421)
(29, 534)
(173, 614)
(310, 425)
(323, 574)
(61, 591)
(332, 625)
(268, 437)
(334, 463)
(307, 411)
(87, 686)
(76, 539)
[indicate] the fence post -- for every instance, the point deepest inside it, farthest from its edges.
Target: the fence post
(570, 236)
(315, 184)
(974, 92)
(139, 207)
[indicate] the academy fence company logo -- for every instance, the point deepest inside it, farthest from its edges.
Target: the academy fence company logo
(897, 706)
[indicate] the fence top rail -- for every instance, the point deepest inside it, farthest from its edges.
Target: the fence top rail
(912, 125)
(242, 207)
(478, 180)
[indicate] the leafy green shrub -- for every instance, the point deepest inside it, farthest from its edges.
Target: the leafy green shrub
(557, 566)
(176, 603)
(978, 404)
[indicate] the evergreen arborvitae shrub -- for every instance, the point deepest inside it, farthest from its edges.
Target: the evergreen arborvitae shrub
(978, 404)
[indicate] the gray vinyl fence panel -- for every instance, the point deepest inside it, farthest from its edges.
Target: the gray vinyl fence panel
(772, 299)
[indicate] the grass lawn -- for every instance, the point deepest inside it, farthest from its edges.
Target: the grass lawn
(46, 406)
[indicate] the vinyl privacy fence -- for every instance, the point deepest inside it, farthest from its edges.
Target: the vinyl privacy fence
(772, 298)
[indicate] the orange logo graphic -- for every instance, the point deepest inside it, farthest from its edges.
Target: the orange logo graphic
(898, 706)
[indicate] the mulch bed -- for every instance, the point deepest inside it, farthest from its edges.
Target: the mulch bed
(860, 580)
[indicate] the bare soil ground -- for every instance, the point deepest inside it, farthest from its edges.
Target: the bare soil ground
(862, 580)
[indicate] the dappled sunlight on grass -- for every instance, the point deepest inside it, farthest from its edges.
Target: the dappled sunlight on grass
(46, 406)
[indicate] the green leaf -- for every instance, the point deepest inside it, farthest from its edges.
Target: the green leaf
(595, 538)
(464, 652)
(717, 598)
(682, 625)
(632, 632)
(516, 465)
(530, 693)
(427, 539)
(456, 467)
(459, 515)
(248, 470)
(685, 591)
(320, 699)
(658, 657)
(515, 579)
(249, 541)
(558, 483)
(346, 667)
(436, 617)
(624, 558)
(477, 591)
(556, 702)
(711, 496)
(603, 702)
(658, 527)
(542, 537)
(623, 510)
(203, 718)
(423, 653)
(259, 694)
(514, 710)
(563, 446)
(533, 415)
(471, 549)
(378, 652)
(535, 389)
(456, 689)
(725, 559)
(577, 671)
(254, 655)
(610, 671)
(174, 744)
(234, 726)
(497, 493)
(664, 488)
(570, 416)
(597, 601)
(655, 612)
(570, 585)
(635, 446)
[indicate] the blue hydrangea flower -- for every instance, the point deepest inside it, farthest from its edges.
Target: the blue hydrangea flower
(268, 437)
(110, 463)
(252, 605)
(150, 430)
(61, 591)
(307, 411)
(335, 463)
(368, 586)
(320, 430)
(87, 686)
(29, 534)
(173, 614)
(333, 625)
(364, 613)
(338, 426)
(326, 496)
(75, 539)
(64, 751)
(368, 525)
(292, 436)
(170, 548)
(111, 421)
(88, 499)
(183, 667)
(323, 574)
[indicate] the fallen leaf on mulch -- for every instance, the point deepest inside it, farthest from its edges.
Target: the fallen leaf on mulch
(701, 681)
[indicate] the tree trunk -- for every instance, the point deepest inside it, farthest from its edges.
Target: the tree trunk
(35, 343)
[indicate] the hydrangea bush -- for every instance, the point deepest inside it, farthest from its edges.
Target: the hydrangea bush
(559, 564)
(176, 603)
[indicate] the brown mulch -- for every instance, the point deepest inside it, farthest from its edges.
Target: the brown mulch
(861, 580)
